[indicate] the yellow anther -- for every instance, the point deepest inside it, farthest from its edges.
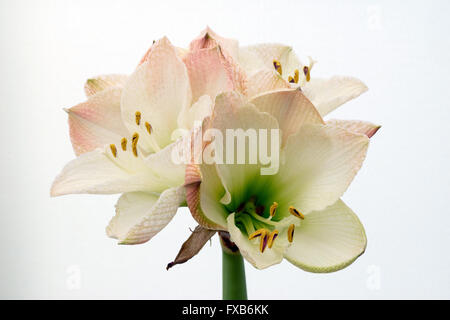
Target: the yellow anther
(134, 141)
(290, 233)
(113, 150)
(296, 213)
(263, 242)
(138, 117)
(273, 209)
(277, 66)
(291, 80)
(307, 69)
(149, 127)
(123, 143)
(307, 73)
(272, 236)
(296, 76)
(257, 233)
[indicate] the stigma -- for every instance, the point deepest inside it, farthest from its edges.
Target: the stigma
(296, 213)
(277, 66)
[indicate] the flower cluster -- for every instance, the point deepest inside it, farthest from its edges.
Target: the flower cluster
(124, 136)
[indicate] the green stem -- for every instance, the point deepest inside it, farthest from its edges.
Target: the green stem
(233, 274)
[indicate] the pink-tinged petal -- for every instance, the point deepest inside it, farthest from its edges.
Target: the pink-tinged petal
(264, 81)
(140, 216)
(212, 72)
(328, 94)
(356, 126)
(181, 52)
(158, 90)
(209, 39)
(290, 107)
(100, 83)
(203, 193)
(320, 163)
(97, 121)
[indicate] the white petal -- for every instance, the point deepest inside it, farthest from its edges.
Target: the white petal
(328, 94)
(327, 240)
(250, 248)
(140, 216)
(100, 83)
(195, 113)
(254, 58)
(100, 172)
(97, 122)
(356, 126)
(159, 90)
(320, 163)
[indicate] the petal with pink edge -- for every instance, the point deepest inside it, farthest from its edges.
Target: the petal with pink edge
(356, 126)
(97, 121)
(158, 90)
(100, 83)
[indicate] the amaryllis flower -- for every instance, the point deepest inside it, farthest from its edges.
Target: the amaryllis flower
(124, 133)
(271, 66)
(297, 213)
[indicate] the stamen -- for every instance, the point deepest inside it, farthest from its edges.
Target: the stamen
(290, 233)
(134, 141)
(113, 150)
(307, 73)
(123, 143)
(149, 127)
(138, 117)
(273, 209)
(291, 80)
(257, 233)
(277, 66)
(263, 242)
(272, 238)
(296, 213)
(307, 69)
(296, 76)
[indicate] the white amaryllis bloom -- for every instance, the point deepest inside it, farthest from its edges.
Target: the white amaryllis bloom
(274, 66)
(297, 213)
(270, 66)
(123, 133)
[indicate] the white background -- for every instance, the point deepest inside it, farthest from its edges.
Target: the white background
(57, 247)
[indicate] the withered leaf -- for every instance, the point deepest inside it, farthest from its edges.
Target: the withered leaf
(192, 245)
